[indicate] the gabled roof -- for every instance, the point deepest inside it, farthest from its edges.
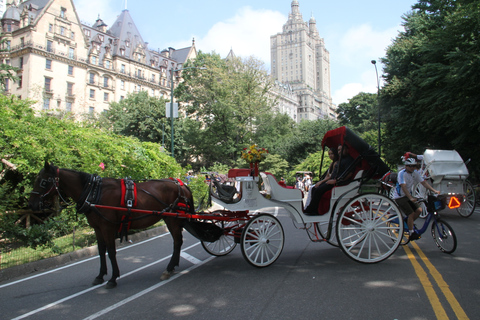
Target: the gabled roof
(125, 30)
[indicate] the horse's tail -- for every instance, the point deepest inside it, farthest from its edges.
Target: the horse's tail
(190, 205)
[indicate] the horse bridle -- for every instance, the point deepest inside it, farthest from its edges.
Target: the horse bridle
(54, 187)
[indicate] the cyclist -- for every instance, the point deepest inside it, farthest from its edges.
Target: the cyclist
(407, 178)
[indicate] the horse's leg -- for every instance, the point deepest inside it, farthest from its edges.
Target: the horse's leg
(175, 226)
(102, 249)
(112, 255)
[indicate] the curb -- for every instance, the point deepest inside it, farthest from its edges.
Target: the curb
(40, 265)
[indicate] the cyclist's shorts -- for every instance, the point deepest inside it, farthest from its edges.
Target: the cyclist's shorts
(408, 207)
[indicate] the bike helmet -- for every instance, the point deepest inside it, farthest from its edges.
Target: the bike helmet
(410, 162)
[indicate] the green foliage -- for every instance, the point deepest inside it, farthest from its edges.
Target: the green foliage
(432, 74)
(27, 140)
(138, 115)
(360, 113)
(226, 98)
(200, 191)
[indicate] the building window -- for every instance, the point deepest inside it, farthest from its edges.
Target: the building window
(69, 89)
(48, 84)
(105, 82)
(22, 42)
(46, 103)
(107, 64)
(70, 70)
(92, 94)
(94, 60)
(20, 81)
(9, 27)
(122, 52)
(20, 63)
(62, 13)
(87, 32)
(71, 53)
(49, 46)
(121, 98)
(48, 64)
(62, 31)
(91, 110)
(50, 27)
(122, 85)
(68, 106)
(92, 78)
(105, 96)
(122, 68)
(72, 35)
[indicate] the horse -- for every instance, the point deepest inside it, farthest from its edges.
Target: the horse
(107, 212)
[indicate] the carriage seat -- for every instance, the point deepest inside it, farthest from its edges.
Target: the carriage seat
(278, 192)
(331, 196)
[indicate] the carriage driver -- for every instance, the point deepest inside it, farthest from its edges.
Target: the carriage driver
(406, 179)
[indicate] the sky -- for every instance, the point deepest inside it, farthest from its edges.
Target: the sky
(355, 32)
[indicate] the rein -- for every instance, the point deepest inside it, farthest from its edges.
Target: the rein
(55, 187)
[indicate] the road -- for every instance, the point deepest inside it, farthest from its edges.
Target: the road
(308, 281)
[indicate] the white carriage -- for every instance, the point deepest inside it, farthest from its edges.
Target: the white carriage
(368, 227)
(446, 171)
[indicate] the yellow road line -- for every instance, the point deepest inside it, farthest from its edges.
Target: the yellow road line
(442, 285)
(427, 285)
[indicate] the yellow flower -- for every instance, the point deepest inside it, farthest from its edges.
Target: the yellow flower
(254, 154)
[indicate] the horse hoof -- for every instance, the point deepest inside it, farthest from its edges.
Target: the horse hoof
(97, 281)
(166, 275)
(111, 284)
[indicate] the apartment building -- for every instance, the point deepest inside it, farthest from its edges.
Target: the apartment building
(67, 66)
(300, 59)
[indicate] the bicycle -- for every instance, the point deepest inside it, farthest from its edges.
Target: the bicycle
(442, 233)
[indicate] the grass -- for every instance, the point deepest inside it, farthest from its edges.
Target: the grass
(18, 255)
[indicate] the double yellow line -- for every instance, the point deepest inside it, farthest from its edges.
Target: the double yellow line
(427, 285)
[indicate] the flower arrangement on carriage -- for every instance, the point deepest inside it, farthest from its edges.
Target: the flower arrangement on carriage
(253, 155)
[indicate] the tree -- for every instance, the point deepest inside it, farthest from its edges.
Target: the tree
(7, 72)
(138, 115)
(360, 113)
(432, 75)
(224, 102)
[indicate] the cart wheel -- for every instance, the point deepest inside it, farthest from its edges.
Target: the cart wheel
(366, 228)
(225, 244)
(322, 228)
(468, 204)
(422, 192)
(444, 236)
(262, 240)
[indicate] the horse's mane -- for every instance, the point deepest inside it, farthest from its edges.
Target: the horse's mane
(84, 177)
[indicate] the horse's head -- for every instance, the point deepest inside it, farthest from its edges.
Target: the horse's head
(45, 188)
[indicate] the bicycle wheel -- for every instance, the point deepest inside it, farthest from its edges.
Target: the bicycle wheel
(394, 229)
(444, 236)
(468, 204)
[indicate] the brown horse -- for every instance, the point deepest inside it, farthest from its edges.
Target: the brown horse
(87, 190)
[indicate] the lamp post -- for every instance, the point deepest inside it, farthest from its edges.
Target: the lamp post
(171, 100)
(374, 62)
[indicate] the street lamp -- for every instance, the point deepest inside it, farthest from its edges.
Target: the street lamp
(378, 105)
(171, 99)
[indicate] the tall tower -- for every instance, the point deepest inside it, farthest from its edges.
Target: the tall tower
(299, 58)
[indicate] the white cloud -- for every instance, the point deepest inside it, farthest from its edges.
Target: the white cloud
(247, 33)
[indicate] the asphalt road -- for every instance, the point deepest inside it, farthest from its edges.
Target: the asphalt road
(308, 281)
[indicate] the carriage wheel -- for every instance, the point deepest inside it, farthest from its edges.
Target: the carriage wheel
(366, 228)
(225, 244)
(394, 232)
(421, 192)
(322, 228)
(262, 240)
(468, 204)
